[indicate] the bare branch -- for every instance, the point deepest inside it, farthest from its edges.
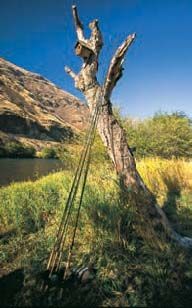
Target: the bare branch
(70, 72)
(115, 70)
(78, 24)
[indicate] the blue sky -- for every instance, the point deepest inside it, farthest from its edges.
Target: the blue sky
(39, 36)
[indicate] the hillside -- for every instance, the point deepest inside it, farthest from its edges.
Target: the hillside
(34, 110)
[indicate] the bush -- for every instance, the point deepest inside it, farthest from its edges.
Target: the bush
(70, 154)
(17, 150)
(49, 152)
(164, 135)
(2, 152)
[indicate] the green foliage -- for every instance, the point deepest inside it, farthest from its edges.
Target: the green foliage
(164, 135)
(99, 152)
(17, 150)
(2, 152)
(70, 154)
(49, 152)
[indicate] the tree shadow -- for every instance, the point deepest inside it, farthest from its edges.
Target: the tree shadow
(172, 196)
(10, 285)
(15, 292)
(180, 216)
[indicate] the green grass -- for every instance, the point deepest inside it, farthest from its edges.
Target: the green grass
(135, 266)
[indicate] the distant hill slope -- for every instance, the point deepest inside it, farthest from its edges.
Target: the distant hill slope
(33, 108)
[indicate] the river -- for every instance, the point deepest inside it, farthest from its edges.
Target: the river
(16, 170)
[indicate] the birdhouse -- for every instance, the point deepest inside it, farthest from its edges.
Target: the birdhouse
(82, 50)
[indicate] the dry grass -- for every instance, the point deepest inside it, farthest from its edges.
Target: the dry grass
(163, 176)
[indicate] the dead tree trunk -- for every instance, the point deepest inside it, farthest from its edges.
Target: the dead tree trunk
(111, 132)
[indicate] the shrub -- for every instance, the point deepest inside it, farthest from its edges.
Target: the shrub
(164, 135)
(70, 154)
(17, 150)
(49, 152)
(2, 152)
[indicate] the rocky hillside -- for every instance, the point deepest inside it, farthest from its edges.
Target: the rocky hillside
(32, 108)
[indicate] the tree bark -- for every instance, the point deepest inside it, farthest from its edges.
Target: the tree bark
(110, 130)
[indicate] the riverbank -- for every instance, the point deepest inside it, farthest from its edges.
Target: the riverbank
(17, 149)
(138, 269)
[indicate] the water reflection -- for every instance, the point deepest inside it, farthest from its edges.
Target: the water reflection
(15, 170)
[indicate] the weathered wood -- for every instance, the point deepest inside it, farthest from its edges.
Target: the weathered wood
(110, 130)
(78, 24)
(116, 66)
